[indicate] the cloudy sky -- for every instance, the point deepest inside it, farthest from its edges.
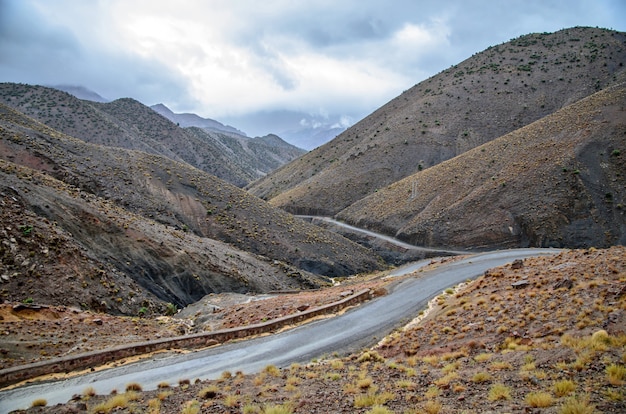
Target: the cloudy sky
(227, 59)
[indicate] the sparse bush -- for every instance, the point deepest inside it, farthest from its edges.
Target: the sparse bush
(170, 309)
(208, 392)
(563, 388)
(432, 407)
(577, 405)
(272, 370)
(231, 401)
(39, 402)
(286, 408)
(154, 406)
(481, 377)
(89, 392)
(539, 399)
(379, 409)
(371, 398)
(191, 407)
(133, 386)
(483, 357)
(499, 391)
(616, 374)
(116, 401)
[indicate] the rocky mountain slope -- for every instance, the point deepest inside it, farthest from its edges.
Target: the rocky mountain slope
(560, 181)
(154, 220)
(492, 93)
(126, 123)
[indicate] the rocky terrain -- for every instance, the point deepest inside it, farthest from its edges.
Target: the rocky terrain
(174, 230)
(127, 123)
(541, 335)
(558, 182)
(492, 93)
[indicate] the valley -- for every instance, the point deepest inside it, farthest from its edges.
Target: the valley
(500, 182)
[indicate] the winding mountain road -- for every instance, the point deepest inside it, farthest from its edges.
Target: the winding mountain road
(360, 327)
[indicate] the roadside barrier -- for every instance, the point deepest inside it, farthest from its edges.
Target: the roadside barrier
(93, 359)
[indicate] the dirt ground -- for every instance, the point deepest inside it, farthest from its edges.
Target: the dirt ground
(33, 332)
(543, 335)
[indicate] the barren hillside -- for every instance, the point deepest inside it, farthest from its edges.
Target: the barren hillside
(482, 98)
(126, 123)
(155, 221)
(560, 181)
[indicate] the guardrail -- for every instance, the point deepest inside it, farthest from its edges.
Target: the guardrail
(92, 359)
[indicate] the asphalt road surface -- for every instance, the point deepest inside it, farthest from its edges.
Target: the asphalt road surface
(361, 327)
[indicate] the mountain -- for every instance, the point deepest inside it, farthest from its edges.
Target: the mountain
(127, 123)
(81, 92)
(301, 129)
(143, 227)
(494, 92)
(312, 137)
(558, 182)
(192, 120)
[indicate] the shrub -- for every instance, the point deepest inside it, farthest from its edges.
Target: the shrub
(539, 399)
(272, 370)
(133, 386)
(482, 357)
(432, 407)
(499, 391)
(231, 401)
(170, 309)
(278, 409)
(116, 401)
(89, 392)
(379, 409)
(364, 383)
(577, 405)
(371, 398)
(39, 402)
(208, 392)
(191, 407)
(563, 388)
(481, 377)
(616, 374)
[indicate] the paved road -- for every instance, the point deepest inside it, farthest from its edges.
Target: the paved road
(358, 328)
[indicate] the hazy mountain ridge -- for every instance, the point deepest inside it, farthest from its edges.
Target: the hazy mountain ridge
(81, 92)
(186, 120)
(488, 95)
(126, 123)
(157, 221)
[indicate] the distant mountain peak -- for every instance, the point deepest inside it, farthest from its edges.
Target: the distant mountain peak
(186, 120)
(81, 92)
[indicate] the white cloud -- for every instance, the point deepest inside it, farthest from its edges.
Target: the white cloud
(220, 57)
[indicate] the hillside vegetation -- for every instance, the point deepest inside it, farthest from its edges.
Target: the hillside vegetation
(154, 220)
(494, 92)
(127, 123)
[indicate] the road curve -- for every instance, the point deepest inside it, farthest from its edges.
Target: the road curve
(381, 236)
(358, 328)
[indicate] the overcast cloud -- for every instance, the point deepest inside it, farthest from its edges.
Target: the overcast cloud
(338, 59)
